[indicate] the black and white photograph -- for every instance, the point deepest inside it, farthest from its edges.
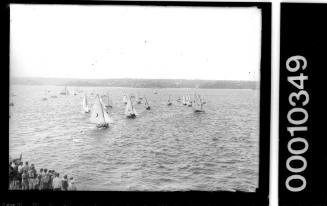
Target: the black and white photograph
(134, 98)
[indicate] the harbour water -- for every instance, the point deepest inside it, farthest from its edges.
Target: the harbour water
(167, 148)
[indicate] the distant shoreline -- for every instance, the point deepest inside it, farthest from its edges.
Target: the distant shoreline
(138, 83)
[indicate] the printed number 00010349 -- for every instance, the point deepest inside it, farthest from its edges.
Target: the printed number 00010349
(298, 100)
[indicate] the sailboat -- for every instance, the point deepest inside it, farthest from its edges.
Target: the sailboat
(169, 102)
(108, 102)
(85, 106)
(130, 111)
(138, 99)
(125, 99)
(102, 103)
(189, 102)
(147, 106)
(65, 91)
(198, 104)
(184, 100)
(99, 116)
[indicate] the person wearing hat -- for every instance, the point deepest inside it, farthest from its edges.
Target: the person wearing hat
(64, 184)
(31, 177)
(26, 167)
(45, 179)
(39, 177)
(56, 182)
(25, 180)
(71, 184)
(20, 172)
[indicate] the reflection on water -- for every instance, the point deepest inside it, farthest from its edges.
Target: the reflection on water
(165, 148)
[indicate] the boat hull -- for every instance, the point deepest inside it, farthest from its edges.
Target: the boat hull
(104, 125)
(131, 116)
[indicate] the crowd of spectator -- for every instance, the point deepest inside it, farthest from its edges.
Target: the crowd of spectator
(26, 177)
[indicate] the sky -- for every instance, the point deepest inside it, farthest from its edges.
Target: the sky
(147, 42)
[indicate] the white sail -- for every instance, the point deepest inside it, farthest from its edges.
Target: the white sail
(101, 101)
(198, 104)
(125, 99)
(106, 101)
(85, 106)
(130, 109)
(184, 100)
(98, 116)
(188, 100)
(169, 101)
(107, 118)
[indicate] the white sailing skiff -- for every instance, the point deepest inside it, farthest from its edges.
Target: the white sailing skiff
(99, 116)
(125, 99)
(198, 104)
(169, 101)
(146, 104)
(86, 108)
(130, 111)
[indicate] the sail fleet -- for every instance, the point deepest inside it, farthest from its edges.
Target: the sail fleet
(103, 103)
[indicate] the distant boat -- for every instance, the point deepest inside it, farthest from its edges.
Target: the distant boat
(85, 105)
(155, 92)
(65, 91)
(107, 102)
(147, 106)
(54, 96)
(184, 100)
(44, 99)
(189, 101)
(99, 116)
(138, 99)
(125, 99)
(198, 104)
(11, 104)
(130, 111)
(169, 102)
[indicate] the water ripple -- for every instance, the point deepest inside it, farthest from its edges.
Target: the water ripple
(164, 149)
